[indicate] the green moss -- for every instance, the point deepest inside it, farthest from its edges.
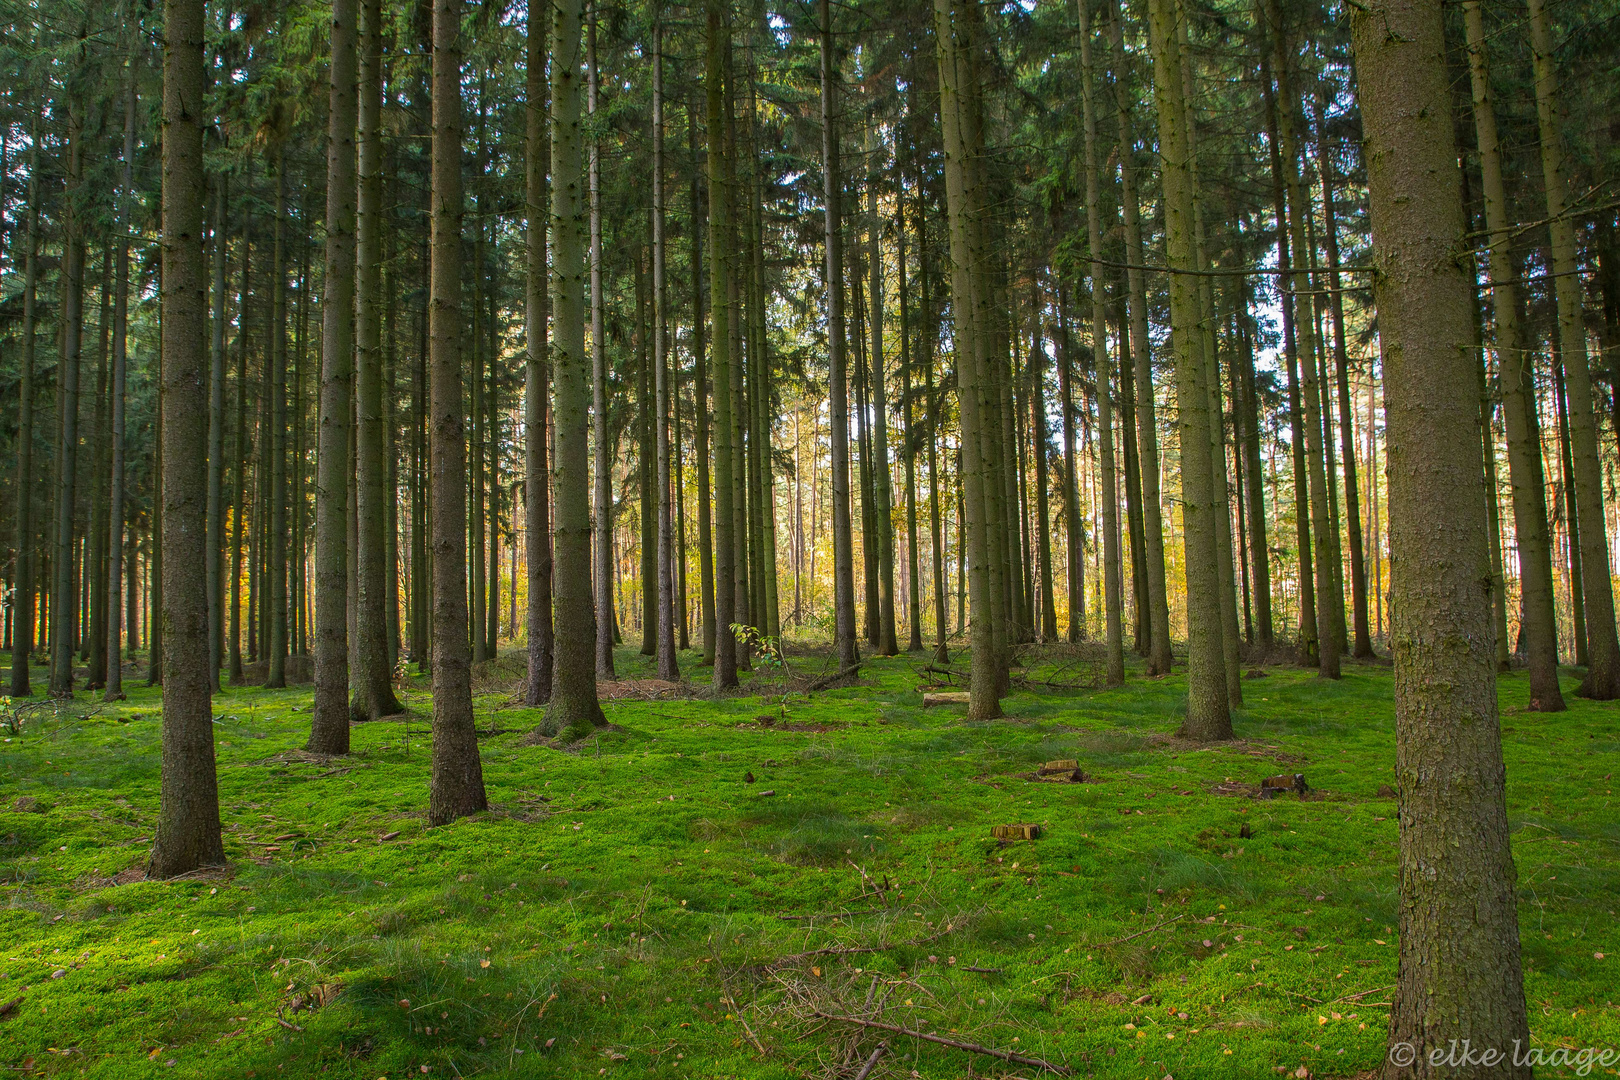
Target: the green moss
(624, 896)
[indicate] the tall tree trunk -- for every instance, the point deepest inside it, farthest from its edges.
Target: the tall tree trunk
(536, 423)
(338, 308)
(1259, 548)
(1572, 521)
(329, 723)
(742, 612)
(700, 398)
(1072, 526)
(935, 407)
(239, 488)
(1208, 713)
(883, 505)
(955, 27)
(1362, 646)
(871, 602)
(421, 511)
(1141, 630)
(93, 573)
(1602, 682)
(1147, 435)
(1308, 644)
(1043, 510)
(1220, 493)
(1112, 570)
(456, 786)
(373, 681)
(646, 466)
(63, 602)
(573, 707)
(120, 372)
(22, 620)
(600, 436)
(844, 642)
(216, 446)
(1459, 972)
(725, 593)
(188, 830)
(668, 668)
(768, 613)
(477, 443)
(913, 560)
(1537, 614)
(1298, 280)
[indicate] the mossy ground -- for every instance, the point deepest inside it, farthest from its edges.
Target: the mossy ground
(626, 902)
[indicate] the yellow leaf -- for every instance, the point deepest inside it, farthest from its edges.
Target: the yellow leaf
(816, 972)
(483, 963)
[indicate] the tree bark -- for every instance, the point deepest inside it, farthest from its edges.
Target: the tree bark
(120, 372)
(338, 308)
(63, 600)
(239, 488)
(883, 503)
(1459, 970)
(1147, 437)
(1072, 527)
(456, 786)
(844, 640)
(954, 34)
(700, 398)
(1043, 509)
(573, 707)
(601, 438)
(216, 444)
(188, 828)
(668, 668)
(1308, 644)
(913, 555)
(329, 724)
(1208, 712)
(536, 423)
(22, 620)
(1322, 529)
(1254, 473)
(1538, 617)
(373, 682)
(1362, 646)
(725, 571)
(1114, 640)
(1602, 682)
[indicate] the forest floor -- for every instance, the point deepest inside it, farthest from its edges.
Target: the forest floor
(634, 906)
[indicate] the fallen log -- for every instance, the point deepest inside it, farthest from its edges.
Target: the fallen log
(947, 697)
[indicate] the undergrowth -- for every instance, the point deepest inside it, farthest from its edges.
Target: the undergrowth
(693, 891)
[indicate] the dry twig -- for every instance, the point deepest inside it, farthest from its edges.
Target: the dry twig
(972, 1048)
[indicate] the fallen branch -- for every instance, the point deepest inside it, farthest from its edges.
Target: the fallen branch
(823, 683)
(871, 1062)
(984, 971)
(1139, 933)
(750, 1033)
(842, 950)
(972, 1048)
(834, 915)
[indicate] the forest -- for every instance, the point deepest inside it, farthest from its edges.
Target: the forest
(793, 538)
